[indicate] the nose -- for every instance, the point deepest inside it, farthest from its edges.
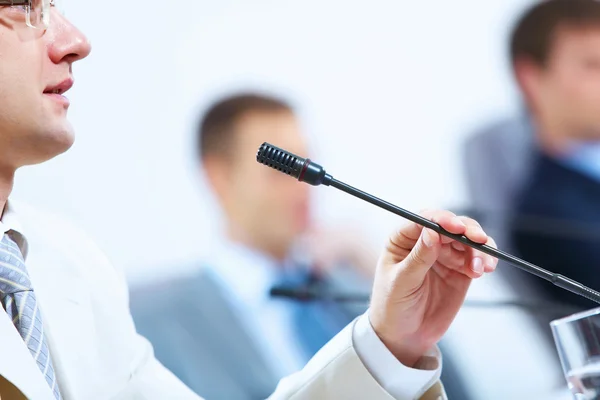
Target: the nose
(66, 42)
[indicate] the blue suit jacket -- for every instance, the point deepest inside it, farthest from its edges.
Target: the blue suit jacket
(563, 205)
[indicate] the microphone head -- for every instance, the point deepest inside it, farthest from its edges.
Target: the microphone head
(300, 168)
(280, 160)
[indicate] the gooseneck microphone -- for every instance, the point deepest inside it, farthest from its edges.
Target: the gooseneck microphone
(305, 170)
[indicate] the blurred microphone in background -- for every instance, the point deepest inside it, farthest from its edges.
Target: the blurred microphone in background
(270, 239)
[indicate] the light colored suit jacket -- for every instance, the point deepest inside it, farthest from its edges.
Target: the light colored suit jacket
(96, 351)
(218, 359)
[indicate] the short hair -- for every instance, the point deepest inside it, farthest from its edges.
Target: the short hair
(217, 127)
(534, 34)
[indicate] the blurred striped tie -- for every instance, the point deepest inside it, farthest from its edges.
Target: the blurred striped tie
(18, 299)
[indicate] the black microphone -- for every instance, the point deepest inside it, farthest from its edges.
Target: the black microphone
(300, 168)
(309, 293)
(305, 170)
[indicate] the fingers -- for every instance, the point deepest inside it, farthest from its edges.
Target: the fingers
(458, 245)
(407, 236)
(415, 246)
(481, 263)
(457, 256)
(490, 263)
(476, 267)
(461, 261)
(474, 231)
(423, 255)
(450, 222)
(452, 258)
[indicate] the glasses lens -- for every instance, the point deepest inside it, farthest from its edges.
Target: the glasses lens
(38, 14)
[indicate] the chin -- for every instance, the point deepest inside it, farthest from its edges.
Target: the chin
(52, 143)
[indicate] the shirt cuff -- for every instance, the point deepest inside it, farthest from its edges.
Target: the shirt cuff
(400, 381)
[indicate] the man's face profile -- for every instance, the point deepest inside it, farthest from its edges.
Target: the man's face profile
(35, 74)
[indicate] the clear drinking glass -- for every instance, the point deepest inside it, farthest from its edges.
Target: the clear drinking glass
(577, 339)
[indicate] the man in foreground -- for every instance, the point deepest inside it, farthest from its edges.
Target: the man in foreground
(66, 329)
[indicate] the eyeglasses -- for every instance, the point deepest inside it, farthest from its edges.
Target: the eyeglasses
(37, 12)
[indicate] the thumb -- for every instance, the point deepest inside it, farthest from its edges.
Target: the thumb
(423, 255)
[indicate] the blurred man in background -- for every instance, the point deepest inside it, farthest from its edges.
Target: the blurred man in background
(556, 58)
(534, 179)
(545, 165)
(254, 339)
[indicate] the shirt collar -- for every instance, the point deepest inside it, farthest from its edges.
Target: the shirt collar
(248, 273)
(10, 222)
(584, 157)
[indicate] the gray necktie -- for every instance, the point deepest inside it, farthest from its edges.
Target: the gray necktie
(18, 299)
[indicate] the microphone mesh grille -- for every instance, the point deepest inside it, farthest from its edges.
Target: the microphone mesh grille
(279, 159)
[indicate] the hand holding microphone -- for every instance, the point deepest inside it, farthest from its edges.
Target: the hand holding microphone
(422, 280)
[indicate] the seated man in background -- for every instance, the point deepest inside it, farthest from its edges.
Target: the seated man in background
(545, 165)
(253, 339)
(556, 59)
(534, 178)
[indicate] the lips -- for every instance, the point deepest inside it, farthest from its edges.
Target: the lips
(60, 88)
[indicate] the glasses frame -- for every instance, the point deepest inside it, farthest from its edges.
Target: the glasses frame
(27, 4)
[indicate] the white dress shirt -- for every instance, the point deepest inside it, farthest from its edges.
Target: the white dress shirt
(10, 222)
(247, 275)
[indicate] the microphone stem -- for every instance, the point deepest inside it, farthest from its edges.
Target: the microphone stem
(556, 279)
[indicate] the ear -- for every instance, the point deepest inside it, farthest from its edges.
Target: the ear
(217, 175)
(528, 75)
